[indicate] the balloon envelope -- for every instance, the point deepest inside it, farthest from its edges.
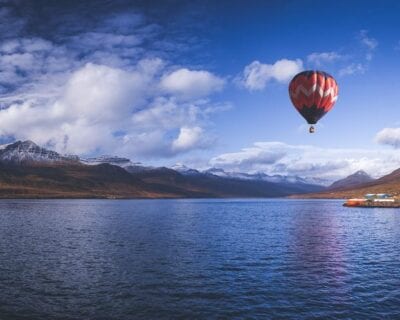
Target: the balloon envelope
(313, 93)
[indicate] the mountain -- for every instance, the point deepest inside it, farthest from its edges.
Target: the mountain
(127, 164)
(210, 185)
(30, 171)
(387, 184)
(265, 177)
(135, 168)
(114, 160)
(181, 168)
(74, 181)
(358, 178)
(217, 172)
(24, 152)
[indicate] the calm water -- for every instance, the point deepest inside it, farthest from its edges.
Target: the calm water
(198, 259)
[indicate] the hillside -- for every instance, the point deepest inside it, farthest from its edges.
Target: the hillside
(353, 180)
(109, 181)
(386, 184)
(30, 171)
(214, 186)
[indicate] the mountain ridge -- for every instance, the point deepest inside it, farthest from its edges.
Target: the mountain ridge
(24, 152)
(28, 170)
(389, 183)
(358, 178)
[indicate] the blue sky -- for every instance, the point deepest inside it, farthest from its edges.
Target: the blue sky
(203, 83)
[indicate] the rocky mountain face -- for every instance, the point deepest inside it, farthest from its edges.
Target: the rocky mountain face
(185, 170)
(389, 183)
(25, 152)
(30, 171)
(116, 161)
(210, 185)
(353, 180)
(265, 177)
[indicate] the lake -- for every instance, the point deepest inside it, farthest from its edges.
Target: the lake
(198, 259)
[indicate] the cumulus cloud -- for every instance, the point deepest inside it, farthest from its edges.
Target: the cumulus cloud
(247, 157)
(191, 83)
(187, 138)
(389, 136)
(105, 109)
(319, 58)
(256, 75)
(99, 87)
(307, 161)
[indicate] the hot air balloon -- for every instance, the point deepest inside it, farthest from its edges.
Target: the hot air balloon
(313, 93)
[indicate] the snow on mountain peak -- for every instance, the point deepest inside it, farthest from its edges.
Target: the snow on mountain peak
(28, 151)
(181, 168)
(114, 160)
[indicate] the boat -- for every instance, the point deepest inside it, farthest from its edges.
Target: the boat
(374, 200)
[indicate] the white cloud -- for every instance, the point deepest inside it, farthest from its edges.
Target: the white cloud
(365, 54)
(111, 110)
(369, 42)
(188, 138)
(27, 63)
(307, 161)
(389, 136)
(354, 68)
(191, 83)
(319, 58)
(102, 93)
(256, 75)
(93, 89)
(252, 155)
(25, 45)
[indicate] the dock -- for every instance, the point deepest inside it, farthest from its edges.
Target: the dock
(380, 200)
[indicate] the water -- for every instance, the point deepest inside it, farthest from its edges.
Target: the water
(198, 259)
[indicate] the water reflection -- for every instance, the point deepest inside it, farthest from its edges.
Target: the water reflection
(319, 259)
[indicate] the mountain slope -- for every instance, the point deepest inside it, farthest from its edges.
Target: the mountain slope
(215, 186)
(264, 177)
(351, 181)
(116, 161)
(29, 171)
(71, 181)
(386, 184)
(108, 181)
(24, 152)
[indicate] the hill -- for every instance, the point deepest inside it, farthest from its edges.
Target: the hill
(387, 184)
(30, 171)
(351, 181)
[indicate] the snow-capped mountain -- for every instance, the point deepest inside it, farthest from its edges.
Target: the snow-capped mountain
(114, 160)
(181, 168)
(22, 152)
(28, 151)
(137, 180)
(265, 177)
(217, 172)
(352, 180)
